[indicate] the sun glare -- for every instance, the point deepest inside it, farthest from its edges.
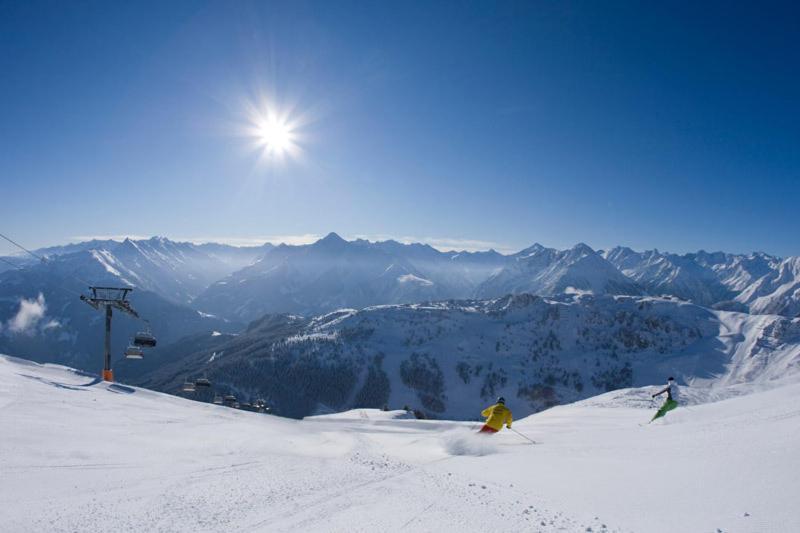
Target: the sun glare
(275, 135)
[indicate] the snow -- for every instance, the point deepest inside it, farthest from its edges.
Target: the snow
(363, 414)
(411, 278)
(107, 260)
(80, 454)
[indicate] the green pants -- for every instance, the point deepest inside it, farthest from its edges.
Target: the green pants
(669, 405)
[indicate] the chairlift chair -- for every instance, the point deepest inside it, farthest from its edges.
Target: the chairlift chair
(188, 386)
(133, 352)
(145, 339)
(217, 399)
(203, 383)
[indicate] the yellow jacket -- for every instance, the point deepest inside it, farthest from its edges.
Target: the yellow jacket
(497, 415)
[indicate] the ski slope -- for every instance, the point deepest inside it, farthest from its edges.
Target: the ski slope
(77, 454)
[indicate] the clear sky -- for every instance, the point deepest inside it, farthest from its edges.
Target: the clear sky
(465, 124)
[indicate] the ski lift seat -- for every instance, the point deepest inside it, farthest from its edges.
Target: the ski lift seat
(144, 338)
(188, 386)
(134, 352)
(203, 382)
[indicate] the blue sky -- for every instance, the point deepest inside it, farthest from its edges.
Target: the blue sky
(463, 124)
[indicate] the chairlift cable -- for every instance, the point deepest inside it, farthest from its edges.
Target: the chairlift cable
(42, 259)
(19, 267)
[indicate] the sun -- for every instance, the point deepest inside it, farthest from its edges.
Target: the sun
(274, 132)
(275, 135)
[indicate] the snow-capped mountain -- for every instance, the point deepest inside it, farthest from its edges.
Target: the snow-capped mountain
(546, 271)
(676, 275)
(178, 271)
(22, 259)
(777, 292)
(441, 358)
(333, 273)
(758, 283)
(737, 271)
(42, 316)
(242, 284)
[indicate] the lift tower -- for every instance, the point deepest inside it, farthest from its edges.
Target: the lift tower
(108, 298)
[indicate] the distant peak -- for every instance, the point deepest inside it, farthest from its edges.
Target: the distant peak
(331, 240)
(332, 237)
(534, 248)
(583, 247)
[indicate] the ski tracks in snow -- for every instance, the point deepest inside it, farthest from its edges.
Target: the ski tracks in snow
(429, 496)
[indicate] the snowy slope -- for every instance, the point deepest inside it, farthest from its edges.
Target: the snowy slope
(81, 455)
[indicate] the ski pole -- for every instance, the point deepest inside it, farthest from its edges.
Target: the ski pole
(523, 436)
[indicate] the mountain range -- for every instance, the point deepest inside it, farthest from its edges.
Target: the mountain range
(243, 283)
(187, 291)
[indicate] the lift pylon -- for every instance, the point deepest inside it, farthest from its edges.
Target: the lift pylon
(106, 298)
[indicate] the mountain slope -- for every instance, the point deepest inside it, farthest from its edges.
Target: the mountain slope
(178, 271)
(776, 292)
(443, 357)
(671, 274)
(546, 272)
(79, 454)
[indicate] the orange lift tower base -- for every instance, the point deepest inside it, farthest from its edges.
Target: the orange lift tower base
(108, 298)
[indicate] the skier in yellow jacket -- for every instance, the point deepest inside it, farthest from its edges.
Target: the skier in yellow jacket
(496, 415)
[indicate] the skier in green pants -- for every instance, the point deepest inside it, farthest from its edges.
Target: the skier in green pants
(672, 398)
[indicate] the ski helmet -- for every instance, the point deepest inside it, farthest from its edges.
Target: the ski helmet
(670, 378)
(501, 400)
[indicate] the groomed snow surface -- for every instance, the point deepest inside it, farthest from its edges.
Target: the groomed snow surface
(77, 454)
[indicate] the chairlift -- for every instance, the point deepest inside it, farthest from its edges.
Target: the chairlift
(202, 383)
(188, 386)
(217, 399)
(144, 338)
(133, 352)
